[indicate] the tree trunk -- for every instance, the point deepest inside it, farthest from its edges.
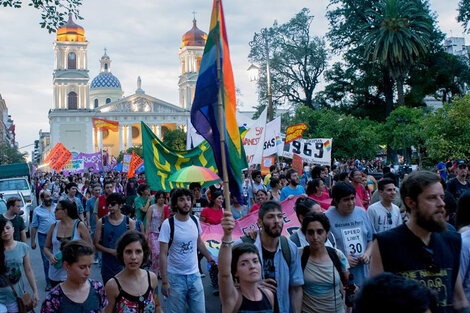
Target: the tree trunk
(400, 92)
(388, 91)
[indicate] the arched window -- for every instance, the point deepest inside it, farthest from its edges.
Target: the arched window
(72, 100)
(96, 103)
(72, 61)
(108, 100)
(106, 66)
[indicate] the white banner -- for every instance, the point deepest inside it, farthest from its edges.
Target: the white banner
(273, 143)
(316, 151)
(253, 138)
(192, 137)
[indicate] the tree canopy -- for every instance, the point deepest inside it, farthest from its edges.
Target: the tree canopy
(53, 12)
(297, 59)
(9, 154)
(175, 139)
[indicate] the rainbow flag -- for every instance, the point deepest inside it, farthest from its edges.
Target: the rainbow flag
(204, 111)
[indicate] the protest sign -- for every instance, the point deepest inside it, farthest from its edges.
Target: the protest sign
(272, 139)
(212, 234)
(59, 157)
(74, 166)
(136, 161)
(266, 163)
(316, 151)
(126, 162)
(295, 132)
(253, 132)
(297, 163)
(91, 161)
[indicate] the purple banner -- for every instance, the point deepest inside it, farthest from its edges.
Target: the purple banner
(91, 161)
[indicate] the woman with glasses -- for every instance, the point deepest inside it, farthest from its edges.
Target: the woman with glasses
(68, 227)
(155, 217)
(325, 269)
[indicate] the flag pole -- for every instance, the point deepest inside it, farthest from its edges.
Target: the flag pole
(221, 122)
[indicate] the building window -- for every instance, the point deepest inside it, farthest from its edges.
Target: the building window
(106, 66)
(96, 103)
(72, 101)
(108, 100)
(72, 61)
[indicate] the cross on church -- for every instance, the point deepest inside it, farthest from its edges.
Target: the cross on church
(105, 50)
(194, 15)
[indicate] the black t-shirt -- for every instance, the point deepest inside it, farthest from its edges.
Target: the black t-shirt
(132, 187)
(435, 266)
(268, 264)
(456, 188)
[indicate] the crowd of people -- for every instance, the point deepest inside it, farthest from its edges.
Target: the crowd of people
(357, 220)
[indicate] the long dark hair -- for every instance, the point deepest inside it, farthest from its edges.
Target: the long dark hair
(3, 268)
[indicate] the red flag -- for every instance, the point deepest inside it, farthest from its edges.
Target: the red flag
(136, 161)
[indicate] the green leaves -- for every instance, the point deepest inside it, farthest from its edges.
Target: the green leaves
(175, 139)
(53, 12)
(9, 154)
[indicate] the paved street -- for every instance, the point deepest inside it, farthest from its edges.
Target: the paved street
(212, 302)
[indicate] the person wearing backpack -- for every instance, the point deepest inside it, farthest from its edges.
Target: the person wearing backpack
(108, 230)
(179, 241)
(325, 269)
(280, 258)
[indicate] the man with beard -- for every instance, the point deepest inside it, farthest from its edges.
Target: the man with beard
(422, 249)
(107, 233)
(179, 241)
(280, 258)
(294, 188)
(43, 218)
(352, 230)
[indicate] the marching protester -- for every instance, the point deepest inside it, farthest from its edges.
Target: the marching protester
(155, 217)
(458, 185)
(43, 219)
(325, 269)
(385, 215)
(77, 293)
(239, 275)
(275, 190)
(255, 184)
(142, 203)
(179, 241)
(101, 208)
(68, 226)
(71, 192)
(90, 207)
(463, 224)
(280, 259)
(108, 231)
(352, 230)
(200, 201)
(426, 248)
(261, 197)
(213, 213)
(294, 188)
(14, 261)
(132, 289)
(316, 189)
(12, 215)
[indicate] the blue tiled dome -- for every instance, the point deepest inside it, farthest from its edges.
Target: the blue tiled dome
(105, 80)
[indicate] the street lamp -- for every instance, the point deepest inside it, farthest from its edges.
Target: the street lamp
(255, 77)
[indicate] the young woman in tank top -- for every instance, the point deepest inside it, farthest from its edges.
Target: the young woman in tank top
(133, 289)
(241, 264)
(69, 227)
(154, 221)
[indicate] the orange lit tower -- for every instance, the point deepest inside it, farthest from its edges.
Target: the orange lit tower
(190, 55)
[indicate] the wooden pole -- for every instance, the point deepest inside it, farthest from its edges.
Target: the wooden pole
(221, 120)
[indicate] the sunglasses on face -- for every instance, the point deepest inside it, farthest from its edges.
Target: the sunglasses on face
(113, 203)
(389, 218)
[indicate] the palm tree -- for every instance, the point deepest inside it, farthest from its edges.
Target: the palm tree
(397, 35)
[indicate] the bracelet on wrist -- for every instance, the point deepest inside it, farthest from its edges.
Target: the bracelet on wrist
(227, 243)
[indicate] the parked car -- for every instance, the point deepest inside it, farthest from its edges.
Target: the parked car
(25, 207)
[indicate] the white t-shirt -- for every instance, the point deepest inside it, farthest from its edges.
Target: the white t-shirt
(382, 219)
(182, 255)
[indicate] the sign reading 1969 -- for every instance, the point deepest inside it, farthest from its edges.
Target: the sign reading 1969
(316, 151)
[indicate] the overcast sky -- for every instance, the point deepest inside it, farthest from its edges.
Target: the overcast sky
(142, 38)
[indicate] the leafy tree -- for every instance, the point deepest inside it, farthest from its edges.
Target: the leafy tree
(9, 154)
(352, 137)
(403, 129)
(464, 13)
(175, 139)
(296, 58)
(447, 131)
(53, 12)
(397, 36)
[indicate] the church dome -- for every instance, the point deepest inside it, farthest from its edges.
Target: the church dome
(70, 31)
(105, 80)
(194, 37)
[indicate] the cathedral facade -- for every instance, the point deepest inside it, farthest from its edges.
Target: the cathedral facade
(77, 101)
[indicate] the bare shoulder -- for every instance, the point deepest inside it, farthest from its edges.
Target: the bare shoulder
(112, 288)
(153, 279)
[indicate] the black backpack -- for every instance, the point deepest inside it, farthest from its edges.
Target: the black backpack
(334, 258)
(171, 221)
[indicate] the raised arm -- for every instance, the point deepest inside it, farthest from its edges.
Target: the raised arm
(228, 293)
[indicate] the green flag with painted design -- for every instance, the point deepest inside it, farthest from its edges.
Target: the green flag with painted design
(161, 162)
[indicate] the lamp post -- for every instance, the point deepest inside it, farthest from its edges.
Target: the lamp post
(255, 76)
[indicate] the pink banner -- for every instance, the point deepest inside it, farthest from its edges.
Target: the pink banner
(212, 234)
